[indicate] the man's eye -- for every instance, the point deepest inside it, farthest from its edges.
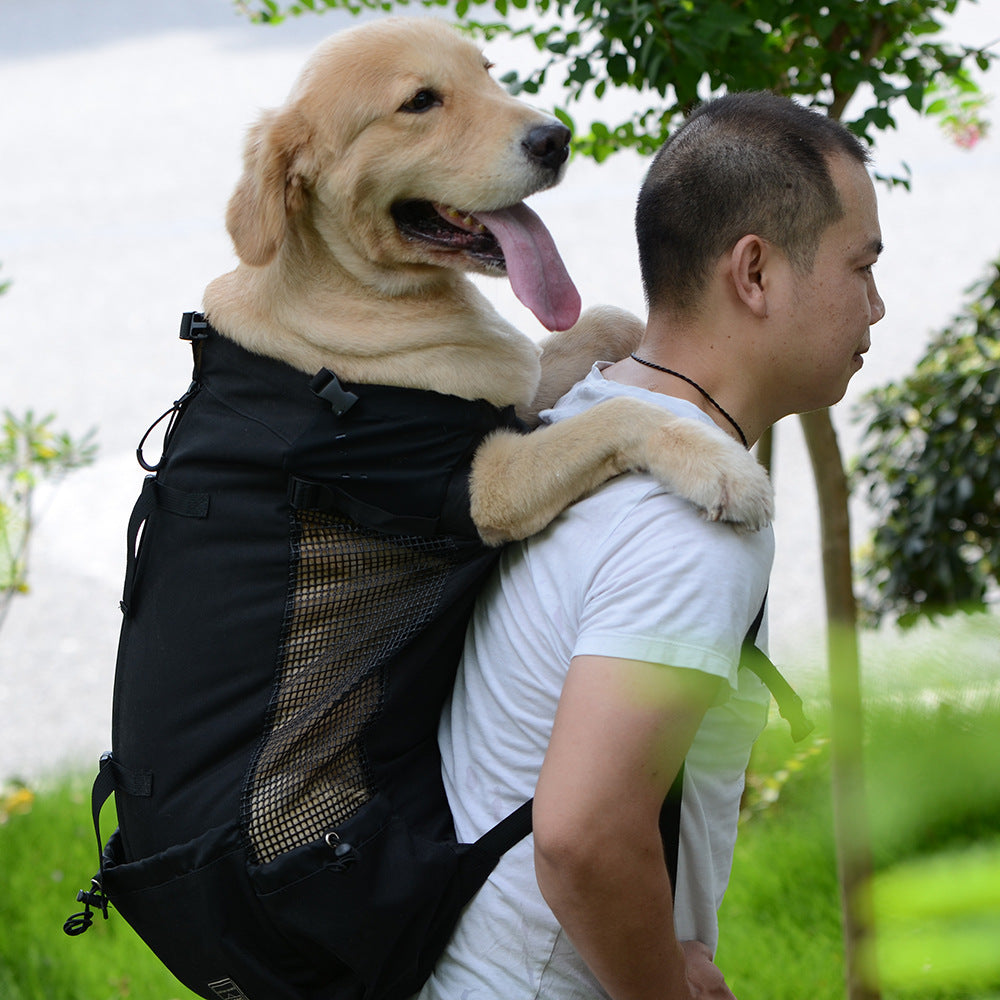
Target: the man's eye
(421, 101)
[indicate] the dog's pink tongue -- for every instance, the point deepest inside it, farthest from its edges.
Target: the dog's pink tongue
(534, 267)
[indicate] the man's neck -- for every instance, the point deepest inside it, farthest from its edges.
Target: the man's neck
(686, 376)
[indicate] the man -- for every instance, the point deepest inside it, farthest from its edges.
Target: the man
(605, 652)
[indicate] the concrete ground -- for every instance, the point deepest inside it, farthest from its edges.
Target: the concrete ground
(121, 126)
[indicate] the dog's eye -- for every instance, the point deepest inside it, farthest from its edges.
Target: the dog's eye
(422, 100)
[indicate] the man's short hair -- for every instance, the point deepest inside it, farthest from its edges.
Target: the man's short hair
(747, 163)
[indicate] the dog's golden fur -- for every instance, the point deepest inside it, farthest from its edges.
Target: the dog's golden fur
(404, 112)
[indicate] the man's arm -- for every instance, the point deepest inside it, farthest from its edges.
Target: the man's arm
(621, 733)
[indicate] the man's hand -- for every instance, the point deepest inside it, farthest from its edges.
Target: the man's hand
(704, 978)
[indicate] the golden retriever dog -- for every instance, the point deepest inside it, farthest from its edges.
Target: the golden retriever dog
(397, 165)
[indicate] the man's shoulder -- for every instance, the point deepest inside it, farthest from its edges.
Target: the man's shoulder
(634, 508)
(596, 389)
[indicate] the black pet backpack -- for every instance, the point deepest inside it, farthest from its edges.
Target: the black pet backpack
(301, 567)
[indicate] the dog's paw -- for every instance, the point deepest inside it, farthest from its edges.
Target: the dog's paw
(714, 472)
(745, 494)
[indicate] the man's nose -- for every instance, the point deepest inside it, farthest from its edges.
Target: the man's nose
(876, 304)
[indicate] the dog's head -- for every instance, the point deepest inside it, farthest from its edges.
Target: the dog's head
(398, 155)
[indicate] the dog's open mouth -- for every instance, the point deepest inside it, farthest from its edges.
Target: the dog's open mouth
(449, 229)
(512, 240)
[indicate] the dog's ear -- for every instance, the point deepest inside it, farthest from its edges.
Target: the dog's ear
(272, 186)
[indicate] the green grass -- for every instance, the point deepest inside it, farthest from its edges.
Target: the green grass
(934, 800)
(935, 814)
(783, 903)
(47, 854)
(780, 935)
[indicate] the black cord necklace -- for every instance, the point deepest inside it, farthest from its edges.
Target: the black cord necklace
(691, 381)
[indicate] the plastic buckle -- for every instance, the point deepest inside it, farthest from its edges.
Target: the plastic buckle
(194, 326)
(325, 385)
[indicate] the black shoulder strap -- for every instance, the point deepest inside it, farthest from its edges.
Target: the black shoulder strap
(789, 703)
(508, 832)
(790, 708)
(670, 826)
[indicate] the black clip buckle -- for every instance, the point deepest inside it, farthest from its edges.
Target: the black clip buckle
(325, 385)
(194, 326)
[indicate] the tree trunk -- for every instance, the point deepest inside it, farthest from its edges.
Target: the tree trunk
(851, 830)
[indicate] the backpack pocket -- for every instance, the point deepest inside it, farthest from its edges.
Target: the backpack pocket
(371, 895)
(196, 909)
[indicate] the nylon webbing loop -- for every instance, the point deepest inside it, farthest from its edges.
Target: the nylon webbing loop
(328, 499)
(156, 496)
(138, 784)
(180, 502)
(111, 777)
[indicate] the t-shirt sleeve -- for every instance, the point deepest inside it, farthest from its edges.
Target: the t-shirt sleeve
(675, 589)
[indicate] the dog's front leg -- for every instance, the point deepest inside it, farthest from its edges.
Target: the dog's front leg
(519, 483)
(603, 333)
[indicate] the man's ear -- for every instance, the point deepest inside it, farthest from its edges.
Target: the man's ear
(746, 271)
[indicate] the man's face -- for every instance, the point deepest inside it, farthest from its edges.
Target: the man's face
(832, 307)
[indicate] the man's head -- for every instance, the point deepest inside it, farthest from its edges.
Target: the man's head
(745, 163)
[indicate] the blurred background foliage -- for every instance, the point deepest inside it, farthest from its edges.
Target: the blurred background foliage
(930, 469)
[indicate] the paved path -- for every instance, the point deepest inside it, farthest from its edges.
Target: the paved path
(121, 125)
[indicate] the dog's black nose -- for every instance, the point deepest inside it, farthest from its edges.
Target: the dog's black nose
(549, 144)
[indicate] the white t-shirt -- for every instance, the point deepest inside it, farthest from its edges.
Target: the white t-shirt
(632, 572)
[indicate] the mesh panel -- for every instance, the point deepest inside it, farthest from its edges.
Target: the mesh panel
(356, 597)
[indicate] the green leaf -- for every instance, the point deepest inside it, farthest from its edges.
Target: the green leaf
(670, 49)
(563, 115)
